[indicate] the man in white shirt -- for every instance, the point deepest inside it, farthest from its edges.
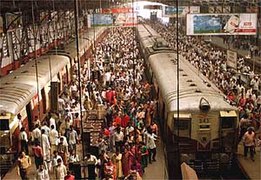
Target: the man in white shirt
(91, 161)
(129, 129)
(46, 129)
(73, 136)
(60, 170)
(36, 134)
(52, 122)
(118, 139)
(46, 146)
(249, 142)
(151, 138)
(55, 159)
(23, 140)
(42, 173)
(53, 138)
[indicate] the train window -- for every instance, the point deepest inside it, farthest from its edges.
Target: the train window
(183, 126)
(227, 122)
(228, 119)
(4, 124)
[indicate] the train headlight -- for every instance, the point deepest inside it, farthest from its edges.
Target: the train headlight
(184, 158)
(224, 158)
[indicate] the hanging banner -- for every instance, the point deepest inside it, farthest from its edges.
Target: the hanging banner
(116, 10)
(170, 11)
(222, 24)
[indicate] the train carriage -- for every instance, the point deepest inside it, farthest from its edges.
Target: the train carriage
(204, 131)
(19, 95)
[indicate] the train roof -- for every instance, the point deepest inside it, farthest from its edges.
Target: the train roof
(18, 88)
(84, 42)
(147, 35)
(192, 85)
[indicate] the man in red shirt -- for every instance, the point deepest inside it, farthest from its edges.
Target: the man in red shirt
(69, 176)
(117, 120)
(125, 120)
(38, 154)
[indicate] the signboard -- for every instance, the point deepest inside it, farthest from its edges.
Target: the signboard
(170, 11)
(101, 19)
(232, 59)
(219, 9)
(222, 24)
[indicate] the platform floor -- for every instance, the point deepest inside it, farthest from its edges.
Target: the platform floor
(251, 168)
(157, 169)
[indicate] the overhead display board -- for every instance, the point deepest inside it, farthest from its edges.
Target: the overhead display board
(170, 11)
(222, 24)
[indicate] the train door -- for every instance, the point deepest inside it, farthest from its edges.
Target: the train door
(67, 74)
(60, 84)
(29, 116)
(228, 128)
(43, 100)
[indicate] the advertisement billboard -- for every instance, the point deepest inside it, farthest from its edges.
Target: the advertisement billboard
(170, 11)
(222, 24)
(101, 19)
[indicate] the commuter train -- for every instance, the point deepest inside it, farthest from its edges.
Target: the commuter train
(203, 132)
(21, 105)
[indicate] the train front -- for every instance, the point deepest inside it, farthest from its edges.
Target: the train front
(6, 155)
(207, 137)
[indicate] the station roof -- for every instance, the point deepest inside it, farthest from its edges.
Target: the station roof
(14, 5)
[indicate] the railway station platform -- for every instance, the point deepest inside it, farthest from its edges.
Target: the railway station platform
(249, 167)
(154, 171)
(157, 170)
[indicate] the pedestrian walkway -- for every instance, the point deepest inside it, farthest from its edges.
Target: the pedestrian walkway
(251, 168)
(157, 170)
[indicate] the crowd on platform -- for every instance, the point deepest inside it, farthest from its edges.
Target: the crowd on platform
(212, 62)
(114, 78)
